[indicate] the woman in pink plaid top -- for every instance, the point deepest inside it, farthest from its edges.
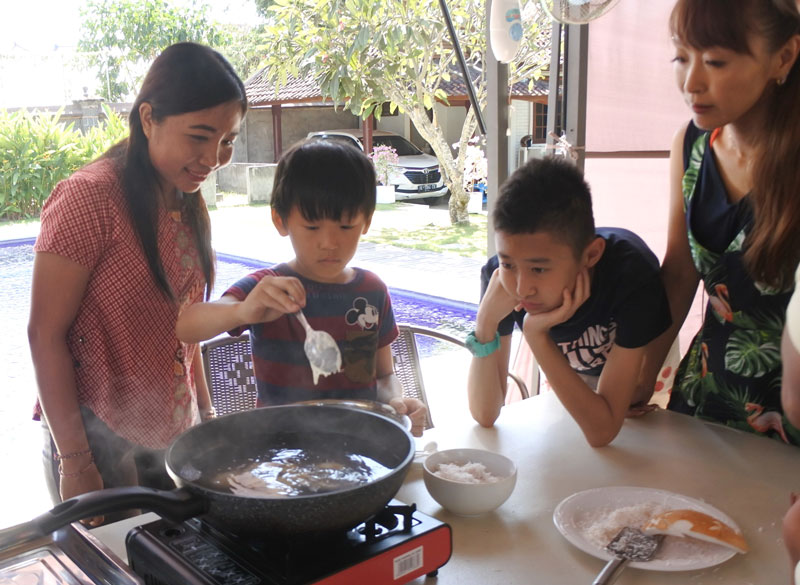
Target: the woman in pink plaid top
(125, 245)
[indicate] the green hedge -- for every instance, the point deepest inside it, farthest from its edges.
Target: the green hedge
(37, 151)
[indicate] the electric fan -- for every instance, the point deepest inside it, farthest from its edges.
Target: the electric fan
(577, 11)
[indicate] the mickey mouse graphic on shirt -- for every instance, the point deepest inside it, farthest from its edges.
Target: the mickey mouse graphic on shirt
(363, 314)
(358, 352)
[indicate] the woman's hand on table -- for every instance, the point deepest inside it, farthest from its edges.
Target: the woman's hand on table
(640, 409)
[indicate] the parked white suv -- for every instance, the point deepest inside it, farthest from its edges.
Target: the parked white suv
(418, 177)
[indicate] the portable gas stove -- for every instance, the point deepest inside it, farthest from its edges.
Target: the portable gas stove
(70, 556)
(395, 546)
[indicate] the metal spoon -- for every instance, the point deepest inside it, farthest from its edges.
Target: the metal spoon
(321, 350)
(630, 544)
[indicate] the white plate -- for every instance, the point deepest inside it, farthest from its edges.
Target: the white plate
(575, 515)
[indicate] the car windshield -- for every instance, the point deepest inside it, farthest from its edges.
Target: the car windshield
(400, 144)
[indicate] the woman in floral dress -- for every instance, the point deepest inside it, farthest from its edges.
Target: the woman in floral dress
(735, 207)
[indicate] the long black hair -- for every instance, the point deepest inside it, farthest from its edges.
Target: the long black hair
(772, 246)
(186, 77)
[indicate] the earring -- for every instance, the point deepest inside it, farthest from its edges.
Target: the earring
(780, 81)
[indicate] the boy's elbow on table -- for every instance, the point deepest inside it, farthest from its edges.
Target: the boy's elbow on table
(601, 433)
(600, 438)
(484, 417)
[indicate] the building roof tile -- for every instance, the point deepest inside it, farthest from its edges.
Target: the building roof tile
(261, 91)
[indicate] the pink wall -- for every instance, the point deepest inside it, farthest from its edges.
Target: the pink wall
(633, 193)
(632, 102)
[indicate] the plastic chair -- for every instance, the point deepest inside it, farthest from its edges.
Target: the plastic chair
(228, 364)
(407, 364)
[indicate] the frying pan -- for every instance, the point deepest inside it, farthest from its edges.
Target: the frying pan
(212, 446)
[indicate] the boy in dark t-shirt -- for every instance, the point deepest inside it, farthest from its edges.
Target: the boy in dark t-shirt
(587, 301)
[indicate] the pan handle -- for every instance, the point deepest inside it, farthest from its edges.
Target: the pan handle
(177, 505)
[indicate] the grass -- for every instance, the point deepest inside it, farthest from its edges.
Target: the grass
(406, 225)
(469, 241)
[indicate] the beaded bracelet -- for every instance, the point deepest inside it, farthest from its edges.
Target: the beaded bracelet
(62, 473)
(59, 457)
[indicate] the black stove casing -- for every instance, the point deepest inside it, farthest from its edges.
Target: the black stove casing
(196, 553)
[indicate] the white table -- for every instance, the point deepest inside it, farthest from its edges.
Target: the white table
(745, 476)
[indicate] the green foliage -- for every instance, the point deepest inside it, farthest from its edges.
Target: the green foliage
(461, 240)
(37, 151)
(262, 6)
(126, 35)
(244, 48)
(366, 53)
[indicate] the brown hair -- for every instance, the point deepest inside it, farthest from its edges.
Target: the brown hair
(186, 77)
(772, 247)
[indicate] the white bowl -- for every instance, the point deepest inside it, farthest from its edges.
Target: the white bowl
(470, 499)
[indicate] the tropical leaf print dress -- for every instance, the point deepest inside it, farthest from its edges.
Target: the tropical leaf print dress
(732, 371)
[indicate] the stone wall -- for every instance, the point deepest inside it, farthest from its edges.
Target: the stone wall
(254, 179)
(260, 178)
(233, 178)
(209, 190)
(296, 123)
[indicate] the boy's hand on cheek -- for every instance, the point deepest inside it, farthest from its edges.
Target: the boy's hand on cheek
(496, 303)
(541, 323)
(272, 297)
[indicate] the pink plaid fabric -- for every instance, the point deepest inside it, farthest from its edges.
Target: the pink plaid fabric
(130, 369)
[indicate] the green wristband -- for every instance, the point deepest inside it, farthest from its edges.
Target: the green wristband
(479, 349)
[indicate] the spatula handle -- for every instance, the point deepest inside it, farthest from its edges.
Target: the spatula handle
(611, 571)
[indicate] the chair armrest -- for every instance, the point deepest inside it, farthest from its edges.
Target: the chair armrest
(523, 389)
(416, 329)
